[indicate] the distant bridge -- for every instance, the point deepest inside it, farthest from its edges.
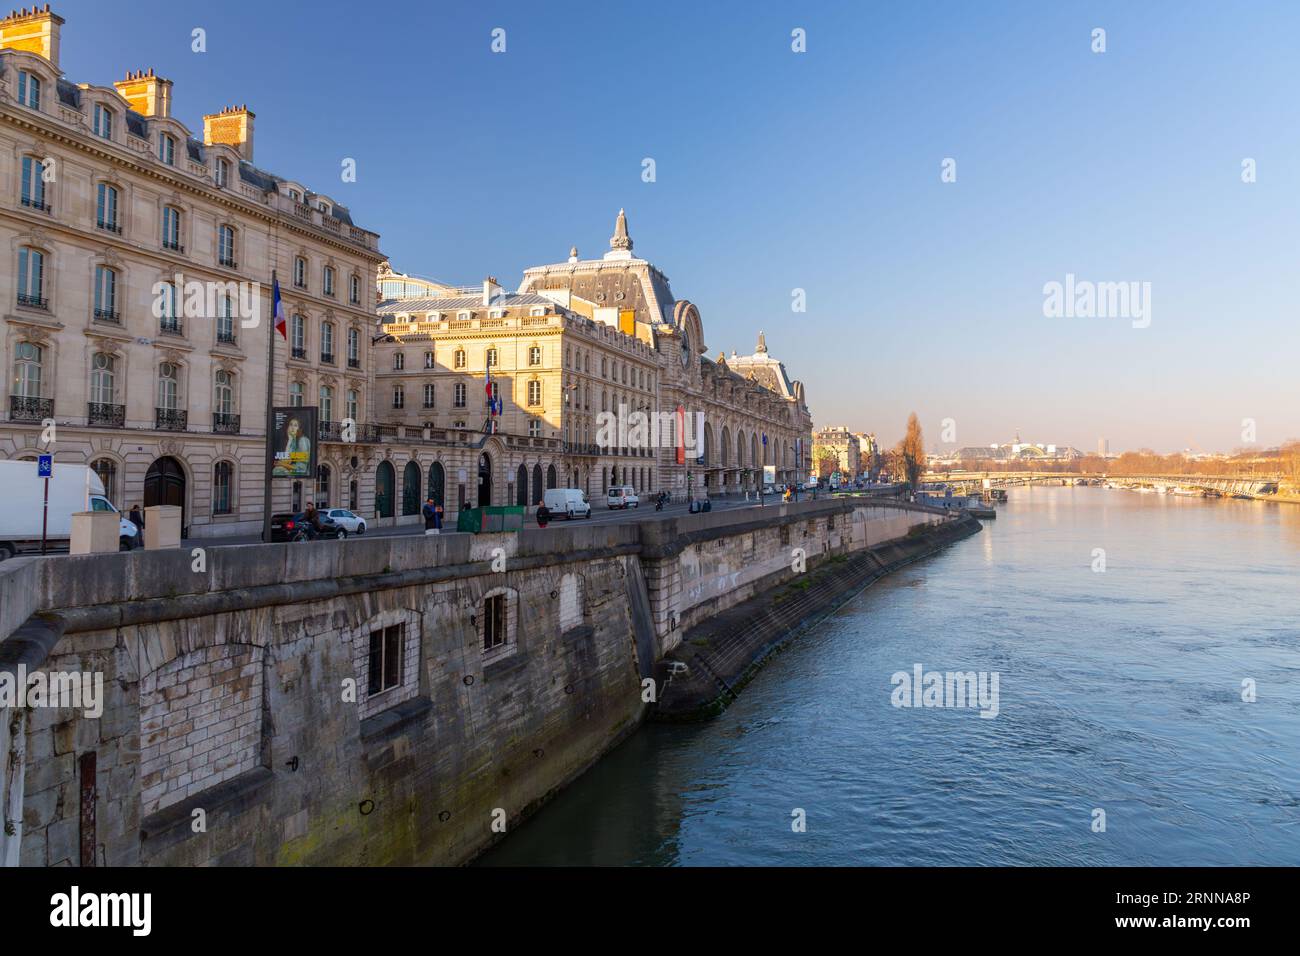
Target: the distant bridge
(1227, 485)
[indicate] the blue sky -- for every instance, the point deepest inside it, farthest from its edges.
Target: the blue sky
(820, 171)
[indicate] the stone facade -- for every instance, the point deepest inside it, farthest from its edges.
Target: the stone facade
(839, 444)
(109, 203)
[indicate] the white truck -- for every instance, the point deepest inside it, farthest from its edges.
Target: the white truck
(73, 488)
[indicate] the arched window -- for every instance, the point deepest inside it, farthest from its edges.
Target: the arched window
(521, 486)
(537, 484)
(31, 278)
(226, 246)
(171, 229)
(437, 483)
(33, 186)
(411, 489)
(223, 483)
(106, 469)
(168, 386)
(106, 295)
(223, 397)
(28, 367)
(550, 476)
(103, 380)
(385, 479)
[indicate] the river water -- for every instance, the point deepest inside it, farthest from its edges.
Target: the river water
(1119, 691)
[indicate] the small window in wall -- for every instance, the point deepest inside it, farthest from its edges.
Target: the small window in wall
(494, 622)
(386, 658)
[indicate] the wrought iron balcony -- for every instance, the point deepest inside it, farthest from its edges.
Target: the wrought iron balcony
(327, 358)
(333, 431)
(40, 204)
(225, 424)
(171, 327)
(354, 363)
(33, 301)
(174, 246)
(111, 416)
(299, 353)
(228, 262)
(108, 226)
(23, 409)
(226, 338)
(171, 419)
(108, 315)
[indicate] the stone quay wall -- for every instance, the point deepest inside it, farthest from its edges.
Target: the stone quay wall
(401, 700)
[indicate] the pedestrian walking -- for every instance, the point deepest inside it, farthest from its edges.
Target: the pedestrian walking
(543, 515)
(432, 524)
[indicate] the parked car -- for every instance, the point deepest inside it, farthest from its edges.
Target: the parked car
(349, 521)
(569, 502)
(622, 496)
(287, 527)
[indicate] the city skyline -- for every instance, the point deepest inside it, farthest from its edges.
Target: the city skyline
(920, 294)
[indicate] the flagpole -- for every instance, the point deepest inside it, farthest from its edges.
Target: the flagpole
(270, 414)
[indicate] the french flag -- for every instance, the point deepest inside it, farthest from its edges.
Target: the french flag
(277, 309)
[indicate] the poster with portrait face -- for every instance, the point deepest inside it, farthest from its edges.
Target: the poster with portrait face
(293, 442)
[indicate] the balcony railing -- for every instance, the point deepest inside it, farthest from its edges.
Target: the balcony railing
(354, 363)
(228, 261)
(299, 353)
(171, 419)
(40, 204)
(171, 327)
(327, 358)
(225, 424)
(23, 409)
(225, 338)
(333, 431)
(108, 315)
(33, 301)
(108, 226)
(111, 416)
(174, 246)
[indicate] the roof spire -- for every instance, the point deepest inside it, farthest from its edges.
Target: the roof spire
(762, 345)
(621, 240)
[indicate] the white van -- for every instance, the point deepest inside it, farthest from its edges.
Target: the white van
(73, 488)
(623, 496)
(569, 502)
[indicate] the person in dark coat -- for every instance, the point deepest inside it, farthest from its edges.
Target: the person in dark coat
(543, 515)
(430, 512)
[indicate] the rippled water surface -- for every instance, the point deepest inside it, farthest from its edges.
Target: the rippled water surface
(1119, 691)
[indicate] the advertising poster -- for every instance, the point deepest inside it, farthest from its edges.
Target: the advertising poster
(293, 442)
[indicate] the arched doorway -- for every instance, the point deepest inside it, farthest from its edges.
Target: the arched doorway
(537, 484)
(411, 489)
(484, 481)
(550, 476)
(385, 489)
(521, 486)
(164, 484)
(437, 483)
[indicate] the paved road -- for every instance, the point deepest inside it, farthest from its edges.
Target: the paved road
(599, 515)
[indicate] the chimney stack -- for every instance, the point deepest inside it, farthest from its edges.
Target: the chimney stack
(149, 95)
(34, 30)
(490, 289)
(233, 126)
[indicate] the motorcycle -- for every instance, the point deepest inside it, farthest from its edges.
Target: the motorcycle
(660, 501)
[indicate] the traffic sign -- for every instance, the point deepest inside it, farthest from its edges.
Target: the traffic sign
(45, 466)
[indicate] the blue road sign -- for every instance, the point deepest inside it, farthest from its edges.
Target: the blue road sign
(44, 466)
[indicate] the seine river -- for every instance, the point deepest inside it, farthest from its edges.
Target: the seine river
(1119, 691)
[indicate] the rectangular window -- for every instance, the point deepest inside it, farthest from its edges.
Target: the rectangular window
(458, 398)
(386, 659)
(299, 332)
(428, 396)
(399, 397)
(329, 281)
(534, 428)
(171, 229)
(103, 124)
(31, 276)
(33, 190)
(29, 90)
(105, 293)
(106, 209)
(300, 273)
(167, 149)
(494, 622)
